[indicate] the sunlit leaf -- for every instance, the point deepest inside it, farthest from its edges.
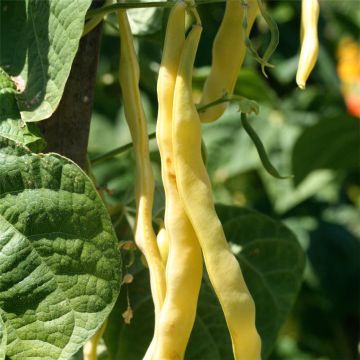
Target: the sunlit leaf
(11, 125)
(39, 40)
(59, 260)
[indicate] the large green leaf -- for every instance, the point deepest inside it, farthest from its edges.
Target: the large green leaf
(59, 260)
(11, 125)
(272, 262)
(39, 40)
(334, 256)
(333, 143)
(253, 86)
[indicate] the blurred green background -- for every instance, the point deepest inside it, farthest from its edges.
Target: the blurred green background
(310, 134)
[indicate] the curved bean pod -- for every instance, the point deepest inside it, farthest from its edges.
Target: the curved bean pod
(184, 264)
(228, 54)
(309, 40)
(195, 192)
(144, 188)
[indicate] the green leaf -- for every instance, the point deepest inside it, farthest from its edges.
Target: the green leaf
(11, 125)
(3, 339)
(145, 21)
(272, 262)
(39, 40)
(227, 142)
(6, 84)
(333, 255)
(333, 143)
(25, 134)
(252, 85)
(285, 195)
(248, 106)
(59, 260)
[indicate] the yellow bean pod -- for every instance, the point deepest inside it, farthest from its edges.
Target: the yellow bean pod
(91, 346)
(195, 192)
(184, 263)
(309, 40)
(144, 188)
(162, 240)
(228, 54)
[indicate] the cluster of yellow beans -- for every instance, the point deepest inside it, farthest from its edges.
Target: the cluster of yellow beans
(192, 233)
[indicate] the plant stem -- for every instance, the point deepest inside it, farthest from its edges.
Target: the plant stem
(245, 105)
(119, 150)
(94, 21)
(135, 5)
(218, 101)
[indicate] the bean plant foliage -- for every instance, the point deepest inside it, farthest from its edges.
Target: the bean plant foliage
(64, 242)
(60, 264)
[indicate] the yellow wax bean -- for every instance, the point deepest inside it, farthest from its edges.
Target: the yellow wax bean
(309, 40)
(195, 192)
(144, 189)
(228, 54)
(184, 264)
(162, 240)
